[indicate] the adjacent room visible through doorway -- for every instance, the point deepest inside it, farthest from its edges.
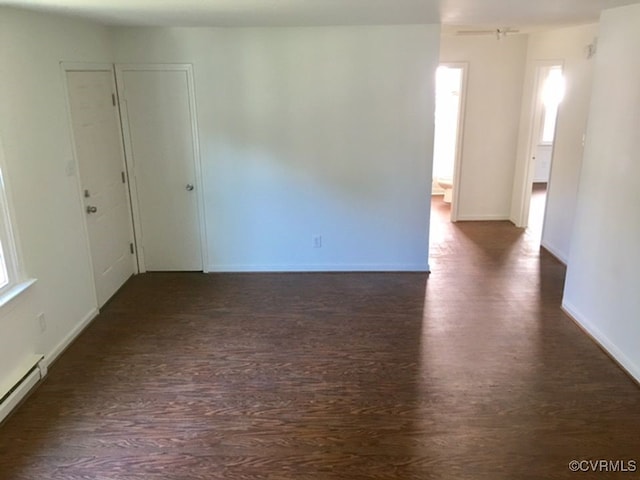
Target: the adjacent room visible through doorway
(449, 106)
(548, 95)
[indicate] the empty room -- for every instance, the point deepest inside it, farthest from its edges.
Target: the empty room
(233, 244)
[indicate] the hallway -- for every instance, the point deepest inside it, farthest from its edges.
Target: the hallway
(334, 376)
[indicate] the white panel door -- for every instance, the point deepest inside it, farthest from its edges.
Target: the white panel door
(98, 146)
(543, 163)
(159, 126)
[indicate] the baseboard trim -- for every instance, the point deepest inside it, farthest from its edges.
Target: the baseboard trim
(600, 339)
(30, 382)
(21, 392)
(400, 267)
(482, 218)
(71, 336)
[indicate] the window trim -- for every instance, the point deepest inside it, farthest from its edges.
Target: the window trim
(15, 291)
(18, 281)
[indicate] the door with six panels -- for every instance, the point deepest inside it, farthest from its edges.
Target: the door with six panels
(99, 153)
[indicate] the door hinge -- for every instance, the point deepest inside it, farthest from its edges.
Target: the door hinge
(123, 177)
(131, 248)
(113, 99)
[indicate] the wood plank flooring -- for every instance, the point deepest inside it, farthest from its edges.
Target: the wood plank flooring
(472, 373)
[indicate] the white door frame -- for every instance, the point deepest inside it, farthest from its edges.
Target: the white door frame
(94, 67)
(457, 161)
(535, 119)
(120, 68)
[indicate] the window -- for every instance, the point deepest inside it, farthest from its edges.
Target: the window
(552, 94)
(8, 271)
(4, 275)
(12, 279)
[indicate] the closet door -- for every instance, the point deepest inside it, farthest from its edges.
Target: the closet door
(159, 125)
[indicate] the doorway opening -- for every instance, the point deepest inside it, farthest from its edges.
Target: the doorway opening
(548, 96)
(447, 149)
(450, 82)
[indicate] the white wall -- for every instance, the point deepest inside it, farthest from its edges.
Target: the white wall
(309, 131)
(602, 287)
(37, 147)
(491, 117)
(566, 46)
(304, 131)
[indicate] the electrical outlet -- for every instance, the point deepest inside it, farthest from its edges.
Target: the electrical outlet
(42, 322)
(317, 241)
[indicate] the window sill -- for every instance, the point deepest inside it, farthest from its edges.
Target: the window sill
(15, 291)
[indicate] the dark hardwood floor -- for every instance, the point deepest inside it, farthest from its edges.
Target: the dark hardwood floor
(472, 373)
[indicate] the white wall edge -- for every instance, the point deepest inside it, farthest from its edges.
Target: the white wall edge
(555, 252)
(401, 267)
(491, 216)
(602, 340)
(53, 355)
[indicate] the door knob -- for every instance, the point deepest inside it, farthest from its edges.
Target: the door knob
(189, 187)
(91, 209)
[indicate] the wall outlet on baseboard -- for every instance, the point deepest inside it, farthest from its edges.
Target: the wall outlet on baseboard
(42, 323)
(317, 241)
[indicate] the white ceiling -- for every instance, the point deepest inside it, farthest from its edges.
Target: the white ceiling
(326, 12)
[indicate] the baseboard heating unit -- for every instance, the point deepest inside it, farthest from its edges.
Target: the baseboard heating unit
(20, 383)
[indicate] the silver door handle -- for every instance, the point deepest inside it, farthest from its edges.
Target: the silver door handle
(91, 209)
(189, 187)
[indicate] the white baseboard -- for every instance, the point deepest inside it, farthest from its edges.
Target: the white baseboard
(71, 336)
(32, 379)
(14, 399)
(482, 218)
(376, 267)
(514, 220)
(603, 341)
(554, 251)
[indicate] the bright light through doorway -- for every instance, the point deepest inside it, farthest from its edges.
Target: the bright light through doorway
(448, 89)
(449, 105)
(552, 95)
